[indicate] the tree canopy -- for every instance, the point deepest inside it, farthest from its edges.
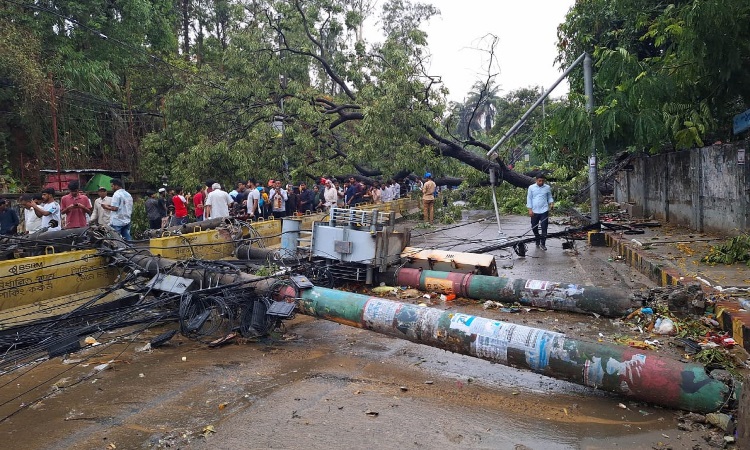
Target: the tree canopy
(264, 88)
(668, 75)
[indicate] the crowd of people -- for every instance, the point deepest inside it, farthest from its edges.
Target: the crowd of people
(172, 206)
(248, 200)
(42, 212)
(251, 199)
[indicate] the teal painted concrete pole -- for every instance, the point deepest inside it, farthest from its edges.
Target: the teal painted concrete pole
(544, 294)
(637, 374)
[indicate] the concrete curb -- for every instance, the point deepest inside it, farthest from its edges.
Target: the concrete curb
(729, 314)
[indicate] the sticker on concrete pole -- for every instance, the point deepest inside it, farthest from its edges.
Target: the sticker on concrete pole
(440, 285)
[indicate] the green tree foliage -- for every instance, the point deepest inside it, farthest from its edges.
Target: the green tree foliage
(79, 59)
(223, 89)
(299, 96)
(667, 75)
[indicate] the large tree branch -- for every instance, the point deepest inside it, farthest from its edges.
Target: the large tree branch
(323, 62)
(454, 150)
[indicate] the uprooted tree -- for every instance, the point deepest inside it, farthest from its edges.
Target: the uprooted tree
(219, 89)
(301, 94)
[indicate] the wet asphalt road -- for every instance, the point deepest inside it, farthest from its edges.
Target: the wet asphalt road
(324, 385)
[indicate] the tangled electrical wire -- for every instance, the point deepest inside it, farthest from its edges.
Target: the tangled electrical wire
(208, 317)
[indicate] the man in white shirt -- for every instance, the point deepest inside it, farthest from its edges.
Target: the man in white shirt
(253, 199)
(330, 195)
(32, 223)
(539, 201)
(100, 216)
(278, 198)
(217, 203)
(122, 207)
(387, 195)
(48, 211)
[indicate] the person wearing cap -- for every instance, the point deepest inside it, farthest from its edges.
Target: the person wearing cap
(99, 215)
(9, 220)
(330, 196)
(218, 203)
(48, 210)
(75, 206)
(539, 201)
(31, 222)
(122, 207)
(428, 198)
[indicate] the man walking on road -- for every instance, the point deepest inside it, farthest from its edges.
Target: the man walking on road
(539, 201)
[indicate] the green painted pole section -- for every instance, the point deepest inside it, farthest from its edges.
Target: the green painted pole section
(553, 295)
(637, 374)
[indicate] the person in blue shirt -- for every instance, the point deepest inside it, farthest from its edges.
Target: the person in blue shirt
(539, 201)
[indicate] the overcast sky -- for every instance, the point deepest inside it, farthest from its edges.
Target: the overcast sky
(526, 29)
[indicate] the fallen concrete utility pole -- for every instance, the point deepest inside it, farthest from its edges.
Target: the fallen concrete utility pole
(49, 242)
(637, 374)
(206, 278)
(543, 294)
(248, 252)
(191, 227)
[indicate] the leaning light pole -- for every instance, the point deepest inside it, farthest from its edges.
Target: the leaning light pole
(589, 90)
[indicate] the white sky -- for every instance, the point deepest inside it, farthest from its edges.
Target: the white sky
(527, 32)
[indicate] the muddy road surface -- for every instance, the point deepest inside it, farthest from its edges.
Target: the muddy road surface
(317, 384)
